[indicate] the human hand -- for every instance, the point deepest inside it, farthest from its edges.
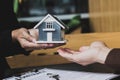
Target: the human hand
(96, 52)
(27, 39)
(24, 38)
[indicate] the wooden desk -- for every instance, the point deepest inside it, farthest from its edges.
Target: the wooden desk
(112, 39)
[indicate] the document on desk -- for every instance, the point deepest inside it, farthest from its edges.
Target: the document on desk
(77, 75)
(55, 74)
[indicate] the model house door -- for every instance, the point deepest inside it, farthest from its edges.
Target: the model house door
(49, 36)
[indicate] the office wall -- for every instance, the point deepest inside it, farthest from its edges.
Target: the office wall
(105, 15)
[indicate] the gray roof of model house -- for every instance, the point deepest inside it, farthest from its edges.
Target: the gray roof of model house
(55, 19)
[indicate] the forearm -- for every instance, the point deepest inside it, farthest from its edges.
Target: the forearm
(109, 57)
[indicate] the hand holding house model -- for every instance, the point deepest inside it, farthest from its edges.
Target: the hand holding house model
(51, 30)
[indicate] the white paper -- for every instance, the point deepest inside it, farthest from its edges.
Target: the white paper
(46, 73)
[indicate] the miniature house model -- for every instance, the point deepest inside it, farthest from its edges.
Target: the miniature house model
(51, 30)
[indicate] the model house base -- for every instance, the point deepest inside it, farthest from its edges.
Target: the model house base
(51, 41)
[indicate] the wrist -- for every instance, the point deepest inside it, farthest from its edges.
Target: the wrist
(102, 55)
(13, 33)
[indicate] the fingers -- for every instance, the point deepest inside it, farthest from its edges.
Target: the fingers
(26, 40)
(64, 53)
(27, 45)
(54, 45)
(83, 48)
(67, 53)
(34, 33)
(71, 51)
(26, 35)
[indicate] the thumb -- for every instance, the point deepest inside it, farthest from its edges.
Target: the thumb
(29, 37)
(98, 44)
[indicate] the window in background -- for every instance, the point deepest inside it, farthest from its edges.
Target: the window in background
(29, 8)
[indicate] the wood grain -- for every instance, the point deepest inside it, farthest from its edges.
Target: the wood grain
(105, 15)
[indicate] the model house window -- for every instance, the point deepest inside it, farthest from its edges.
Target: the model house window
(49, 25)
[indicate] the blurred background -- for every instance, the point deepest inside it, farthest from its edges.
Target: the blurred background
(30, 12)
(29, 8)
(82, 16)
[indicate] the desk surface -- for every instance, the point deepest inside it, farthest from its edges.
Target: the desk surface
(111, 39)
